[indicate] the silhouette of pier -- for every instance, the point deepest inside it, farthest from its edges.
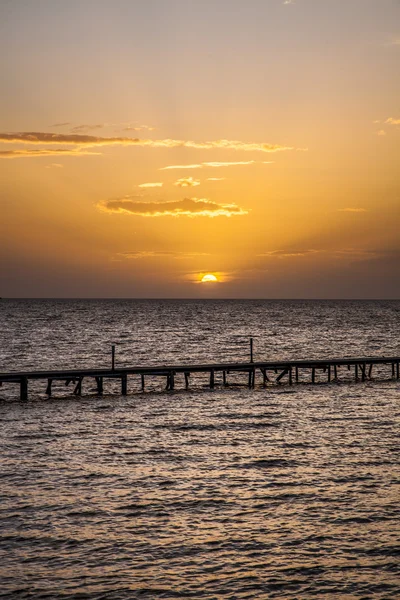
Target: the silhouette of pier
(262, 373)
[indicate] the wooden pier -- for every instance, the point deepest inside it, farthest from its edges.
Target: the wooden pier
(269, 372)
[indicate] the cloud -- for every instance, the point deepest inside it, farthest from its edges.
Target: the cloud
(288, 253)
(91, 140)
(50, 152)
(289, 2)
(82, 128)
(60, 124)
(392, 121)
(381, 132)
(215, 178)
(198, 166)
(150, 185)
(143, 254)
(352, 210)
(138, 128)
(55, 166)
(188, 207)
(187, 182)
(209, 164)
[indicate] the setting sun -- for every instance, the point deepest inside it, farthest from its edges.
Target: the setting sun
(209, 278)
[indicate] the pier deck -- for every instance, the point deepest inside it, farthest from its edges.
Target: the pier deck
(271, 371)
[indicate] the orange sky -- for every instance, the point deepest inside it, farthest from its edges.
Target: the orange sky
(144, 145)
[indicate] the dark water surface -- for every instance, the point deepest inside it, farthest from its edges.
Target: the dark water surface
(288, 492)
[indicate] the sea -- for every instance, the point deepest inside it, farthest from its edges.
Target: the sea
(232, 493)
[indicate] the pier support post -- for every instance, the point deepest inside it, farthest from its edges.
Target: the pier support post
(284, 372)
(224, 378)
(397, 370)
(124, 384)
(356, 372)
(99, 381)
(370, 371)
(329, 373)
(297, 374)
(78, 387)
(363, 374)
(187, 380)
(265, 378)
(212, 379)
(290, 376)
(335, 372)
(48, 389)
(313, 375)
(24, 389)
(393, 370)
(142, 382)
(252, 378)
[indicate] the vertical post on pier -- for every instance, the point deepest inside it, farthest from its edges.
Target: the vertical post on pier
(251, 350)
(187, 379)
(397, 370)
(24, 389)
(99, 381)
(212, 379)
(124, 384)
(112, 357)
(224, 378)
(393, 369)
(142, 379)
(335, 372)
(329, 373)
(370, 370)
(48, 389)
(356, 372)
(297, 374)
(290, 376)
(313, 375)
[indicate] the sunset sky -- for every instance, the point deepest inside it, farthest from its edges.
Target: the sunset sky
(147, 143)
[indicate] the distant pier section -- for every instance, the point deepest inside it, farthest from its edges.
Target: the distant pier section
(256, 373)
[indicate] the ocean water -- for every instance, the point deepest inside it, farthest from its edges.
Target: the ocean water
(284, 492)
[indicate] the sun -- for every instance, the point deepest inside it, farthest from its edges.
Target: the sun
(209, 278)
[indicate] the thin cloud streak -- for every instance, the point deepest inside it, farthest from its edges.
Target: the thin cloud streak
(352, 210)
(48, 152)
(214, 165)
(90, 140)
(150, 185)
(187, 182)
(188, 207)
(144, 254)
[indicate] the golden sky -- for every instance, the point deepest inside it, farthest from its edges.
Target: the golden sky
(144, 145)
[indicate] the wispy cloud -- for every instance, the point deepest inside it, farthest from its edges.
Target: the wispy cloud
(145, 254)
(188, 207)
(150, 185)
(91, 140)
(60, 124)
(138, 128)
(48, 152)
(352, 210)
(392, 121)
(84, 128)
(187, 182)
(215, 178)
(381, 132)
(54, 166)
(209, 164)
(288, 253)
(289, 2)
